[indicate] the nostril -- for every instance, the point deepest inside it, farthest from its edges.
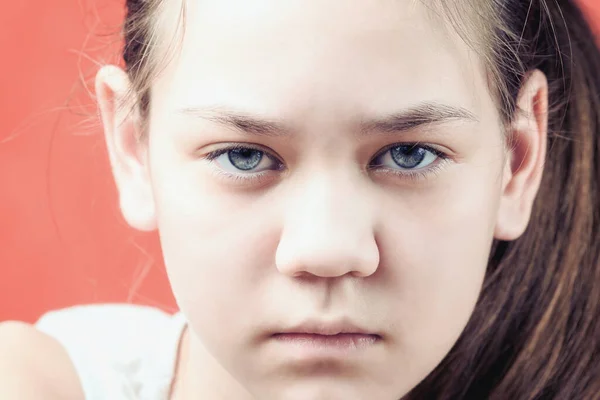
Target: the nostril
(327, 253)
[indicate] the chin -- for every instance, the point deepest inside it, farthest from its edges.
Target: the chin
(329, 389)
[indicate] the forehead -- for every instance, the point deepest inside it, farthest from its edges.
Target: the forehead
(336, 57)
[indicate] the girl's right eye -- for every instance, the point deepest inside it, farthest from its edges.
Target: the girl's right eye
(243, 160)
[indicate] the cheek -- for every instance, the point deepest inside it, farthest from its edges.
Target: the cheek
(434, 255)
(216, 248)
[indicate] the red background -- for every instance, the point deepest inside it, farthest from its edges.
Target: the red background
(62, 239)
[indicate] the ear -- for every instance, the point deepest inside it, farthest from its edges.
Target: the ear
(126, 149)
(527, 139)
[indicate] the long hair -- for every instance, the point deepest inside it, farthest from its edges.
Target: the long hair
(535, 332)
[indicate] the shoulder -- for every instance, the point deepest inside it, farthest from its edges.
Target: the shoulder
(120, 351)
(33, 365)
(97, 351)
(114, 333)
(112, 322)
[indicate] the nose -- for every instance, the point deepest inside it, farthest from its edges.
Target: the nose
(328, 231)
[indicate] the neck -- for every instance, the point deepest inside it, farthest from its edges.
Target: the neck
(199, 376)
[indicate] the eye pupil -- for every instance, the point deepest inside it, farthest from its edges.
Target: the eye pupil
(245, 159)
(408, 156)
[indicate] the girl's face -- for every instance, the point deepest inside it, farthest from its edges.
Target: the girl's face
(318, 168)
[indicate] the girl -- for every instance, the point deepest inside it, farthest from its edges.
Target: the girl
(355, 200)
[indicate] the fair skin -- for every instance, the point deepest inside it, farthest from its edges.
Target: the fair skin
(331, 216)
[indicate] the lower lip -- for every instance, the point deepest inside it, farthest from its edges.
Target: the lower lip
(326, 346)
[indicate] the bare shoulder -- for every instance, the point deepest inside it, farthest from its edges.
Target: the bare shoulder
(33, 365)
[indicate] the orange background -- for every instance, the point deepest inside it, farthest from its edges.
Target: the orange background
(62, 239)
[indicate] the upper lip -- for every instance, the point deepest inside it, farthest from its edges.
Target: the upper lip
(328, 328)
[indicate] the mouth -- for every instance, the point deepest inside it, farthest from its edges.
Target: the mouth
(316, 339)
(328, 328)
(342, 341)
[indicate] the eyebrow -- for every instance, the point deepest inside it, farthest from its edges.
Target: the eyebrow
(420, 115)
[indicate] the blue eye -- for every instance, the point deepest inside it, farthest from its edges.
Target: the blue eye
(241, 159)
(407, 157)
(245, 159)
(248, 164)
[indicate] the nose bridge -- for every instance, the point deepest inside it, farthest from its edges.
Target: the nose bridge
(328, 229)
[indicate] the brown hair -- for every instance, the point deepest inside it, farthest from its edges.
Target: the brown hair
(535, 331)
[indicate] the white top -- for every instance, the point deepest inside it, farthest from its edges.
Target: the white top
(120, 351)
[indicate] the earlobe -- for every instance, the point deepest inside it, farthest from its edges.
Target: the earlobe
(127, 153)
(140, 215)
(526, 153)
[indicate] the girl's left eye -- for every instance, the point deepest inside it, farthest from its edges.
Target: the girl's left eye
(407, 157)
(243, 159)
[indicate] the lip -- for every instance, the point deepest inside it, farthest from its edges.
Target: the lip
(320, 340)
(328, 328)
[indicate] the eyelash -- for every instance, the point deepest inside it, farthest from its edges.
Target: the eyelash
(411, 175)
